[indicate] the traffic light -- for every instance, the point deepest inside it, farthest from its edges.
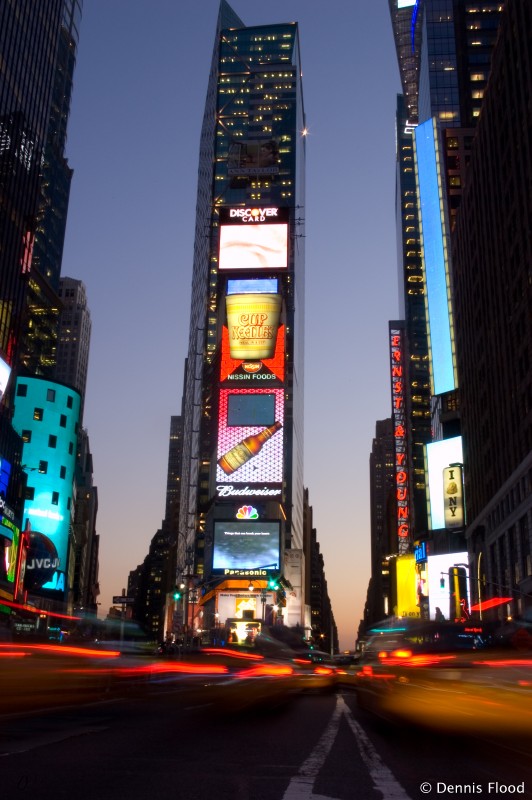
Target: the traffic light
(273, 584)
(176, 594)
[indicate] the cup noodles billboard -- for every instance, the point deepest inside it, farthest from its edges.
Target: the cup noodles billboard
(253, 336)
(253, 239)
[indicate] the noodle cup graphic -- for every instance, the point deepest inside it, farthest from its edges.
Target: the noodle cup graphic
(253, 321)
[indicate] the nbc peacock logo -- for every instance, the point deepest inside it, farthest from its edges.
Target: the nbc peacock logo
(247, 512)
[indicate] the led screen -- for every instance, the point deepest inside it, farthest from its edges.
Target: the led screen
(250, 409)
(257, 371)
(252, 286)
(253, 247)
(440, 455)
(5, 372)
(406, 587)
(435, 258)
(250, 453)
(448, 584)
(244, 545)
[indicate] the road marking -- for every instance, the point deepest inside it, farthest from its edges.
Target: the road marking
(301, 785)
(382, 777)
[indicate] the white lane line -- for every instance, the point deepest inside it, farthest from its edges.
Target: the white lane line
(383, 779)
(300, 786)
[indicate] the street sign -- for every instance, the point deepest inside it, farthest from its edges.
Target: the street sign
(119, 599)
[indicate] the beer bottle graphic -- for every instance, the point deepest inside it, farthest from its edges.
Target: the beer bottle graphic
(246, 449)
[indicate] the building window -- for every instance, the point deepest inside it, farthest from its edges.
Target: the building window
(62, 421)
(26, 436)
(50, 395)
(22, 390)
(62, 472)
(38, 414)
(30, 492)
(43, 467)
(55, 498)
(70, 448)
(52, 440)
(70, 401)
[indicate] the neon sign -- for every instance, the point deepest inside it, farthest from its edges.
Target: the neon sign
(402, 490)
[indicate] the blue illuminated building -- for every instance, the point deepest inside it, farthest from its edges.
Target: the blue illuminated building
(46, 416)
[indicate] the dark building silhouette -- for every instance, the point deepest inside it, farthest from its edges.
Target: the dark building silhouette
(152, 583)
(323, 633)
(492, 254)
(383, 526)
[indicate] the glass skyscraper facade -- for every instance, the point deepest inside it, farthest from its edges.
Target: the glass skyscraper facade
(248, 262)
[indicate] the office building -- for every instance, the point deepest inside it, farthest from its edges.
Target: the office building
(243, 412)
(152, 583)
(491, 258)
(74, 334)
(444, 50)
(383, 508)
(38, 45)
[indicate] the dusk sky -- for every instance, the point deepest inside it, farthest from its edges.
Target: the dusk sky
(139, 93)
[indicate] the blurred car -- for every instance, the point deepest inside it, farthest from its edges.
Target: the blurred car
(448, 677)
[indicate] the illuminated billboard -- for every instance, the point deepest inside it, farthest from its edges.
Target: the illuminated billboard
(253, 239)
(242, 547)
(5, 372)
(435, 256)
(406, 587)
(402, 484)
(453, 497)
(263, 371)
(448, 586)
(47, 417)
(252, 322)
(439, 456)
(250, 436)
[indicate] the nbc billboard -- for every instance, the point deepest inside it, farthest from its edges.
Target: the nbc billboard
(253, 239)
(243, 547)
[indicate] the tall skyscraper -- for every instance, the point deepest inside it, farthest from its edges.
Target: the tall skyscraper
(38, 44)
(444, 50)
(243, 408)
(74, 334)
(492, 257)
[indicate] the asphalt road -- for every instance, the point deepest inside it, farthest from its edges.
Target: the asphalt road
(171, 746)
